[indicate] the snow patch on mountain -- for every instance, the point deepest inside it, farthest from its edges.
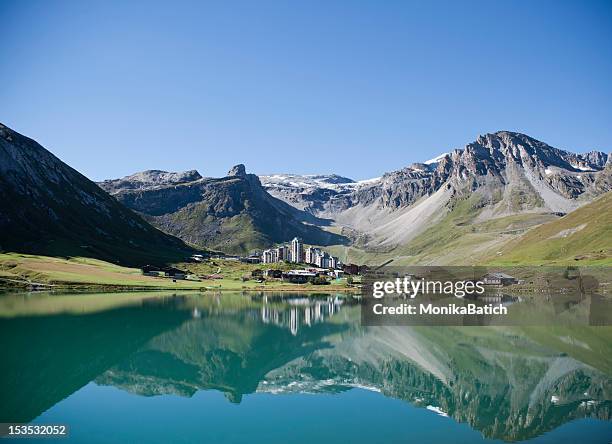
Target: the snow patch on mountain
(313, 181)
(436, 159)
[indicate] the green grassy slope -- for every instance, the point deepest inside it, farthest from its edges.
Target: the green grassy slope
(581, 237)
(22, 270)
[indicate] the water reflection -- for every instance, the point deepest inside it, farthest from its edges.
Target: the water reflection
(302, 311)
(508, 383)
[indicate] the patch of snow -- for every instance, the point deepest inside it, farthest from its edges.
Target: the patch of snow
(368, 181)
(583, 168)
(309, 182)
(364, 387)
(437, 410)
(548, 171)
(436, 159)
(554, 399)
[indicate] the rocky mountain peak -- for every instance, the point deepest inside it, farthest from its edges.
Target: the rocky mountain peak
(509, 171)
(237, 170)
(148, 179)
(165, 177)
(333, 179)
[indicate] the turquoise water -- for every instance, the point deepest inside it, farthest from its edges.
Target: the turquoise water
(243, 368)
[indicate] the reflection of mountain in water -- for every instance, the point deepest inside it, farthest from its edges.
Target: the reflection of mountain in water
(47, 358)
(502, 382)
(509, 383)
(231, 353)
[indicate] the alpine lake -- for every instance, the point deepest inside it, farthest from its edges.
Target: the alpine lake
(272, 368)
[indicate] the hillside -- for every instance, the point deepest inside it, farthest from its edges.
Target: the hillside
(582, 236)
(232, 213)
(46, 207)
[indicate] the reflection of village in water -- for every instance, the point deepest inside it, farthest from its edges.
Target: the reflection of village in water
(293, 313)
(301, 312)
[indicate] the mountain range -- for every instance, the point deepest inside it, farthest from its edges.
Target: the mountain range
(463, 204)
(233, 213)
(468, 205)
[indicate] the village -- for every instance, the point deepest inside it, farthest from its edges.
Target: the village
(294, 263)
(318, 266)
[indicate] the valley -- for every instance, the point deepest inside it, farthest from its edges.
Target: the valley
(505, 198)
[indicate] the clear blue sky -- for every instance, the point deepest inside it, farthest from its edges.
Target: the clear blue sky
(356, 87)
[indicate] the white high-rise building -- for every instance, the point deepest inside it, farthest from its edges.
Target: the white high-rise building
(297, 250)
(311, 255)
(282, 253)
(269, 257)
(322, 259)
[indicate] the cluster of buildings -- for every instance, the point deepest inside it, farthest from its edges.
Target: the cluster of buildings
(297, 253)
(168, 272)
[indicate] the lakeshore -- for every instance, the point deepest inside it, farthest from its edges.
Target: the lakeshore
(33, 272)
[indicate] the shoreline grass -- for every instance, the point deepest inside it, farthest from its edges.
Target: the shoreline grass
(24, 271)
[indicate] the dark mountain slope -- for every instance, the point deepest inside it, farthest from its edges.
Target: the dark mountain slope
(46, 207)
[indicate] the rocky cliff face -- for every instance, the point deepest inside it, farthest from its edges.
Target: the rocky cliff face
(503, 174)
(501, 159)
(47, 207)
(233, 213)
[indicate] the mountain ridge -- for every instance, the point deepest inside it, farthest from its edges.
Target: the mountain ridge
(232, 213)
(461, 204)
(503, 175)
(50, 208)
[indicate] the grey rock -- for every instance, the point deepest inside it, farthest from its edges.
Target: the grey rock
(237, 170)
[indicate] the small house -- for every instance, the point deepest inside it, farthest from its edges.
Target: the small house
(150, 270)
(174, 273)
(299, 276)
(499, 278)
